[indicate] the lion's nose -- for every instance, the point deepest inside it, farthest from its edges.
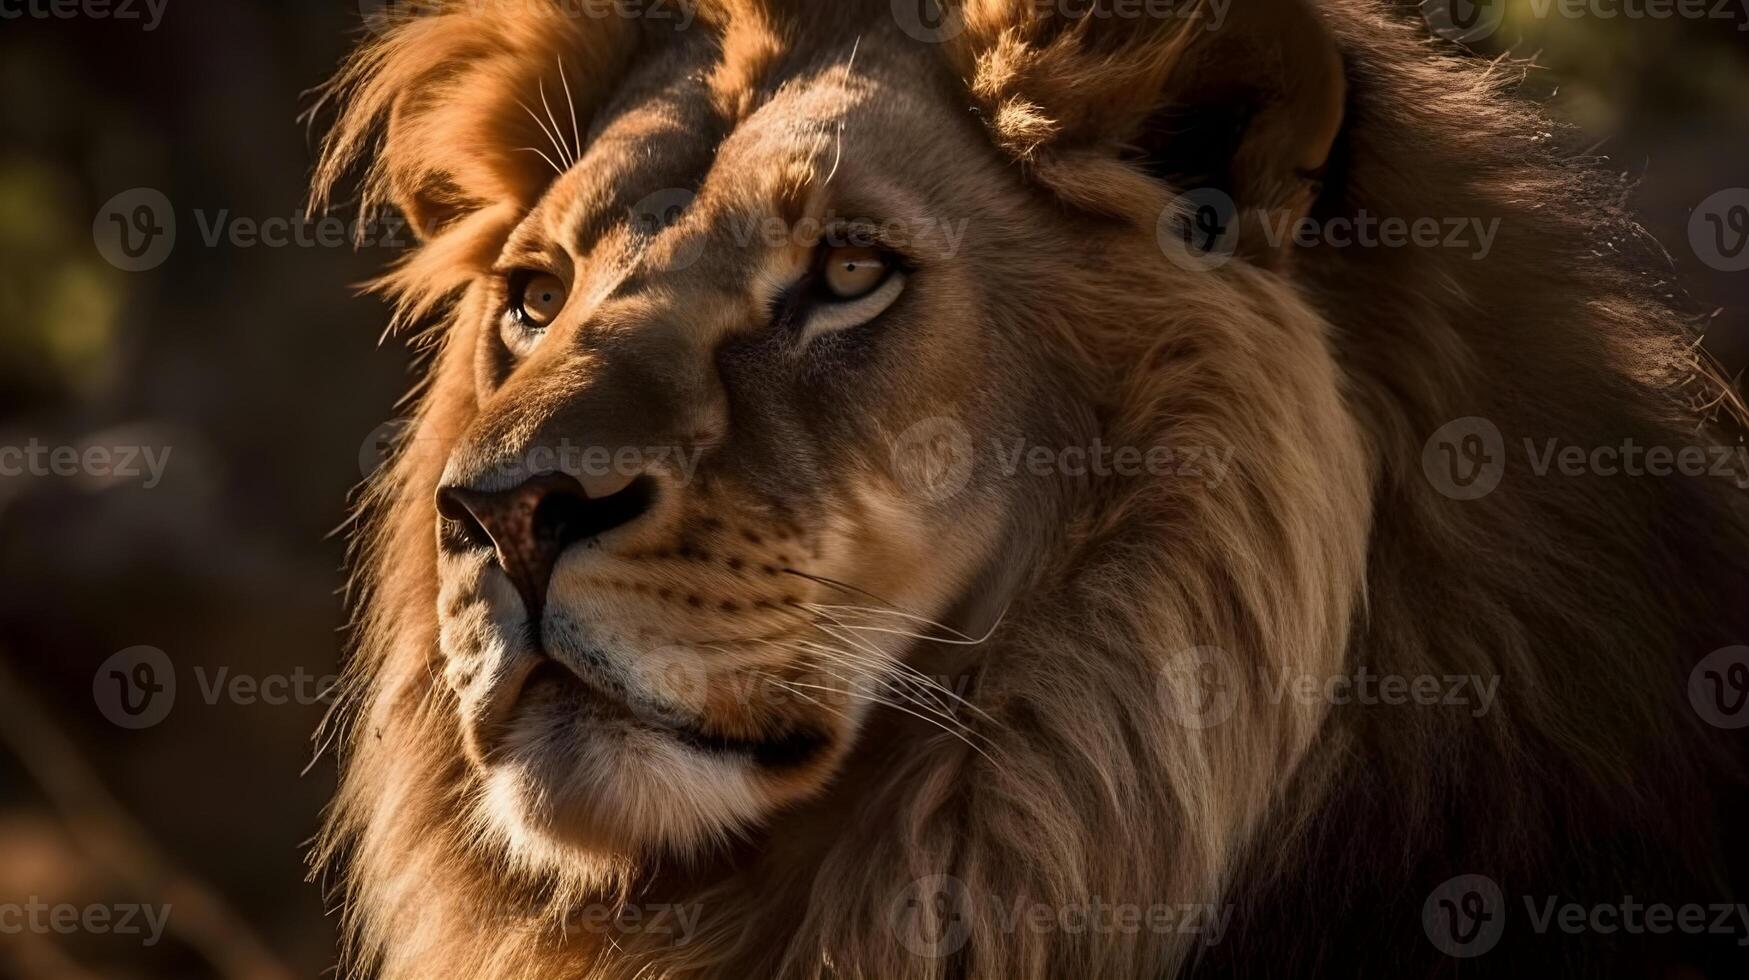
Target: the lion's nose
(531, 525)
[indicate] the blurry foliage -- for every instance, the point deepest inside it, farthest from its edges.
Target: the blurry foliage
(1661, 101)
(1613, 72)
(58, 299)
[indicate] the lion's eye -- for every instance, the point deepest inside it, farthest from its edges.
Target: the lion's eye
(536, 299)
(852, 273)
(854, 285)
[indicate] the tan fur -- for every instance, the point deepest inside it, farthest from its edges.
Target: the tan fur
(1072, 778)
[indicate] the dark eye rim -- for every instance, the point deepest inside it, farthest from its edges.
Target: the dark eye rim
(515, 284)
(789, 308)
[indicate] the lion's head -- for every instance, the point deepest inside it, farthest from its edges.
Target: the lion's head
(841, 464)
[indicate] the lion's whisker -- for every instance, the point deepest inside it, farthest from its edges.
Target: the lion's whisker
(944, 717)
(900, 672)
(892, 671)
(554, 140)
(855, 641)
(921, 717)
(565, 151)
(576, 136)
(951, 641)
(880, 671)
(925, 620)
(886, 657)
(835, 583)
(788, 686)
(909, 634)
(887, 607)
(543, 156)
(937, 716)
(898, 665)
(877, 655)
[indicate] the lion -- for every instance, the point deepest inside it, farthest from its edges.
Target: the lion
(909, 492)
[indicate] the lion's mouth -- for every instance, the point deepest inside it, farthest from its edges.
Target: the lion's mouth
(785, 751)
(787, 748)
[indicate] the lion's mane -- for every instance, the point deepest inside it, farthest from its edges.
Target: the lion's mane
(1589, 598)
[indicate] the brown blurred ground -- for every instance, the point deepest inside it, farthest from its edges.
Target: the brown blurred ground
(263, 378)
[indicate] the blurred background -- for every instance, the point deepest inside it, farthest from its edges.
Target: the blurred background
(184, 411)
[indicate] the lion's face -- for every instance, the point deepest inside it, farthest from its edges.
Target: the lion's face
(755, 338)
(728, 385)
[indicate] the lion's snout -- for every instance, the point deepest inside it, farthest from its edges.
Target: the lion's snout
(528, 526)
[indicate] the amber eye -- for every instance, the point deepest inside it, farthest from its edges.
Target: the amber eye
(537, 298)
(854, 272)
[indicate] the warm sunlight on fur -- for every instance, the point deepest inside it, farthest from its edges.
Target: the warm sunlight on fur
(671, 600)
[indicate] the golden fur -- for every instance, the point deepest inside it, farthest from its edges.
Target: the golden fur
(1070, 776)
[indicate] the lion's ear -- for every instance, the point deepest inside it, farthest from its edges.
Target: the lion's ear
(460, 109)
(1245, 97)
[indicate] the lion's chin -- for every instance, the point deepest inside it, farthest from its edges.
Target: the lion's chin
(572, 771)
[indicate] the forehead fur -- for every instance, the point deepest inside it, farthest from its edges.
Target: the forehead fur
(461, 106)
(465, 115)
